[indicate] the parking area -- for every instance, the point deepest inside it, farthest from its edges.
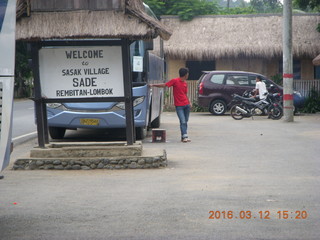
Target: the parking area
(250, 179)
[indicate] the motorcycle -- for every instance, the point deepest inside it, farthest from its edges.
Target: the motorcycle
(246, 106)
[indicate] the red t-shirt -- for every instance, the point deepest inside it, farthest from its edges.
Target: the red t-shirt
(180, 90)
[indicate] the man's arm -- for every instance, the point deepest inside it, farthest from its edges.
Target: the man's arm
(159, 85)
(256, 91)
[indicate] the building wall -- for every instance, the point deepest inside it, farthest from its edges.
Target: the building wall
(307, 69)
(267, 67)
(173, 67)
(258, 65)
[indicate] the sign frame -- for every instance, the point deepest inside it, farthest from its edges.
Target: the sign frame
(40, 101)
(81, 71)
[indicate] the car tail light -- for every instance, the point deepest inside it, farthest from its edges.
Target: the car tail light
(201, 88)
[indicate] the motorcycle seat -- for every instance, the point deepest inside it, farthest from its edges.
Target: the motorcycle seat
(245, 98)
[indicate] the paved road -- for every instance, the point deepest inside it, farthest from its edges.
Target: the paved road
(250, 169)
(23, 123)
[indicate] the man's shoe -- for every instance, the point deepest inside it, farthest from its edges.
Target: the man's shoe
(185, 140)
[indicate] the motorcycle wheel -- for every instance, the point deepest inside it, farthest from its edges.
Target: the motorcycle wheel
(235, 113)
(275, 112)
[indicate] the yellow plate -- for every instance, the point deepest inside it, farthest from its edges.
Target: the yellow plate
(89, 121)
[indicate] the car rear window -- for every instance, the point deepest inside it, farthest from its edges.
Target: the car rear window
(217, 78)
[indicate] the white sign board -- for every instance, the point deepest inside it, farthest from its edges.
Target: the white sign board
(137, 64)
(81, 72)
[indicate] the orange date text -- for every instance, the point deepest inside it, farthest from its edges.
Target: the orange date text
(263, 214)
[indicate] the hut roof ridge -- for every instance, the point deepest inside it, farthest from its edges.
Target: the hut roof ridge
(127, 21)
(206, 38)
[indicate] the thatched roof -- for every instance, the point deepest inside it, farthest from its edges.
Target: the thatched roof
(211, 37)
(130, 22)
(316, 61)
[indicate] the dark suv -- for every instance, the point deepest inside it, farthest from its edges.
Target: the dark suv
(215, 89)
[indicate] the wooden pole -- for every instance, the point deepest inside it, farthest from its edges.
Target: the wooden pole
(130, 129)
(37, 96)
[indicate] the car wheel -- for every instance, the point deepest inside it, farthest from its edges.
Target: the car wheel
(218, 107)
(57, 132)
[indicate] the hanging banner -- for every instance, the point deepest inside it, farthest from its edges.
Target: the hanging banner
(81, 72)
(7, 61)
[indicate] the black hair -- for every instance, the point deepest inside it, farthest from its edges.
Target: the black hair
(259, 77)
(183, 72)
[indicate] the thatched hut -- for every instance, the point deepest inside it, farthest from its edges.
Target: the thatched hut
(39, 20)
(241, 42)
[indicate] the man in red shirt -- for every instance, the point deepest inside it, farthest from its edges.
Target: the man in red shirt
(181, 101)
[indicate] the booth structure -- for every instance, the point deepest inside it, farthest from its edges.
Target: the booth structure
(85, 36)
(92, 26)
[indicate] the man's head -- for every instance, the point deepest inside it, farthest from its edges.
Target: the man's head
(184, 72)
(258, 78)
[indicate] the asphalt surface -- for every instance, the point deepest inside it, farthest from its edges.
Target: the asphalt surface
(23, 121)
(258, 179)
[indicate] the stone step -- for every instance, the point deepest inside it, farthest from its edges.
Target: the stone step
(150, 158)
(87, 150)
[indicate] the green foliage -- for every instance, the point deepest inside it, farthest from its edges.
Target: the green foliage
(237, 10)
(197, 108)
(312, 104)
(233, 3)
(277, 79)
(318, 28)
(307, 5)
(266, 6)
(23, 72)
(157, 6)
(185, 9)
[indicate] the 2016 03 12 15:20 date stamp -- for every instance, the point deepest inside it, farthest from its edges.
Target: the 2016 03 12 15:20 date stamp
(262, 214)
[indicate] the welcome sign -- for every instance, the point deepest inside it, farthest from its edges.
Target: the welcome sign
(81, 72)
(7, 56)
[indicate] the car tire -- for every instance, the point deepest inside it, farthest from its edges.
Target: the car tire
(57, 132)
(218, 107)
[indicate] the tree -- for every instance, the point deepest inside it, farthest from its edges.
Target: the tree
(23, 74)
(232, 3)
(185, 9)
(266, 6)
(313, 5)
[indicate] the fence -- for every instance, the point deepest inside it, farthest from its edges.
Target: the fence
(192, 93)
(303, 86)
